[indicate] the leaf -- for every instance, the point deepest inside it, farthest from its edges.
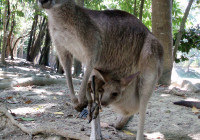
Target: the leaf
(28, 102)
(195, 110)
(27, 119)
(128, 132)
(58, 113)
(10, 97)
(20, 13)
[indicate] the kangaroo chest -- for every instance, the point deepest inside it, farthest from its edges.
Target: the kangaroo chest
(66, 39)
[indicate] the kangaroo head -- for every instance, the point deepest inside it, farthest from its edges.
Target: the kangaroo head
(47, 4)
(111, 90)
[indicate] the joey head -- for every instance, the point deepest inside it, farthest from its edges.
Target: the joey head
(111, 90)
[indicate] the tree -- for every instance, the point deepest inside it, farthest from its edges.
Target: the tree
(141, 9)
(180, 33)
(5, 21)
(162, 29)
(32, 35)
(35, 49)
(44, 58)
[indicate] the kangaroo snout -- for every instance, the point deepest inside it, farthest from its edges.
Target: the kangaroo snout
(46, 4)
(43, 1)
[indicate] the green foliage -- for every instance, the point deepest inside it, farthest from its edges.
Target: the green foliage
(19, 13)
(94, 4)
(190, 39)
(177, 16)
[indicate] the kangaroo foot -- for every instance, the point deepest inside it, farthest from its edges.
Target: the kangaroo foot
(80, 106)
(121, 122)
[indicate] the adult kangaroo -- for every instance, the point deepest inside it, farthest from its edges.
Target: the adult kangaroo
(111, 41)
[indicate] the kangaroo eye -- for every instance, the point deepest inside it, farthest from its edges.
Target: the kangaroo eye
(100, 90)
(114, 94)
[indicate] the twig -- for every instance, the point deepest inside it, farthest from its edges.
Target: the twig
(42, 129)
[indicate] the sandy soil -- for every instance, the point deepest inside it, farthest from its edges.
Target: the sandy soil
(37, 106)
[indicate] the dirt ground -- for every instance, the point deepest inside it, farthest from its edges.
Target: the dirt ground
(44, 107)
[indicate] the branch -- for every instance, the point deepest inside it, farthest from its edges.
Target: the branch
(19, 39)
(45, 129)
(34, 80)
(180, 33)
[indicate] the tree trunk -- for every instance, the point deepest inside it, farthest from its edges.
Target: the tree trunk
(35, 49)
(182, 26)
(77, 68)
(21, 50)
(7, 51)
(0, 43)
(162, 29)
(141, 9)
(59, 67)
(135, 8)
(9, 40)
(44, 58)
(3, 54)
(30, 43)
(1, 23)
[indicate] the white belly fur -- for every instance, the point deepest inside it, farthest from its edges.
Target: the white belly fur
(71, 43)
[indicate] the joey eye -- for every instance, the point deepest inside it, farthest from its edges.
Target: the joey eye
(114, 94)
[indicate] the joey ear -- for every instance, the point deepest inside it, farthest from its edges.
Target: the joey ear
(102, 75)
(127, 81)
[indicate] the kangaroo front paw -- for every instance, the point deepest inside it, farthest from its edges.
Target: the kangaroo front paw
(80, 106)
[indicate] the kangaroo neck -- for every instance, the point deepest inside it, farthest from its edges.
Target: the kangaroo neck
(63, 14)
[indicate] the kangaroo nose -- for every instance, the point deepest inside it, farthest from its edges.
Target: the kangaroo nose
(43, 1)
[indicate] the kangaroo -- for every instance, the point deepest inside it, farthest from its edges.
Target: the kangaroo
(111, 41)
(130, 92)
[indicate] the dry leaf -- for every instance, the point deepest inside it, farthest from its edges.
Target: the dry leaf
(128, 132)
(10, 97)
(195, 110)
(58, 113)
(28, 102)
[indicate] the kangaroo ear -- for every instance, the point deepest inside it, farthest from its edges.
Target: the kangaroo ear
(101, 75)
(127, 81)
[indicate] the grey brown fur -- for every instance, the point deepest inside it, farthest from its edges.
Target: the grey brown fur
(112, 41)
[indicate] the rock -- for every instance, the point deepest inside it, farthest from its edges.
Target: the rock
(187, 85)
(54, 138)
(175, 91)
